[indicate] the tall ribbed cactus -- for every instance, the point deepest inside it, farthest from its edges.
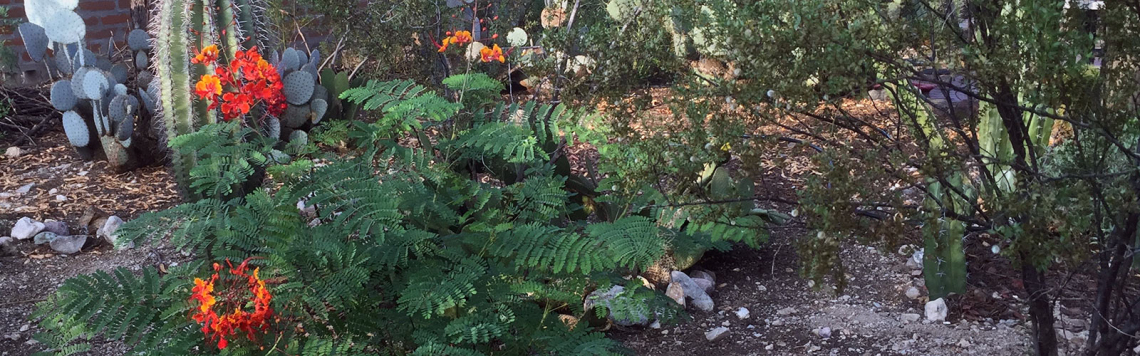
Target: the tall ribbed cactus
(996, 148)
(944, 260)
(179, 27)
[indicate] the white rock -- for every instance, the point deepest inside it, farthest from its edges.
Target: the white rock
(786, 311)
(913, 293)
(936, 310)
(770, 347)
(24, 328)
(25, 228)
(703, 275)
(716, 333)
(637, 314)
(742, 313)
(13, 152)
(656, 324)
(60, 197)
(910, 317)
(108, 232)
(964, 343)
(53, 191)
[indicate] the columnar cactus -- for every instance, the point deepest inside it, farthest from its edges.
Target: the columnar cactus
(96, 103)
(180, 26)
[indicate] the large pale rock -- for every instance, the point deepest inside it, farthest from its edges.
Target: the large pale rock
(68, 244)
(109, 232)
(936, 310)
(705, 285)
(25, 228)
(57, 227)
(693, 291)
(12, 152)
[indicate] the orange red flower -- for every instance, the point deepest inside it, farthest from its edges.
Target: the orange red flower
(222, 327)
(207, 56)
(460, 37)
(209, 86)
(492, 54)
(250, 79)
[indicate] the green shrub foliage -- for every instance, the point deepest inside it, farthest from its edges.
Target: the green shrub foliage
(452, 229)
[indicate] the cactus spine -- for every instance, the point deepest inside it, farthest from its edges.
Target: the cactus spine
(179, 27)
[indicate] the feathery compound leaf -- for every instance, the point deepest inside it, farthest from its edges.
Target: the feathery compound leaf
(635, 240)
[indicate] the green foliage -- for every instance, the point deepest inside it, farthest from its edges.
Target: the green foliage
(466, 265)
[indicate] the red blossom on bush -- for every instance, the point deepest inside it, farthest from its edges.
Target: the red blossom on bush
(249, 79)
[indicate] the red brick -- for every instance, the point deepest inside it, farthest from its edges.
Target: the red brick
(102, 34)
(98, 5)
(16, 12)
(115, 19)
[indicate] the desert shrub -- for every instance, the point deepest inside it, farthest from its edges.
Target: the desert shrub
(455, 219)
(1035, 152)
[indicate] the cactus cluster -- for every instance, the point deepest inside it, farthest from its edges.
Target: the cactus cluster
(92, 91)
(179, 27)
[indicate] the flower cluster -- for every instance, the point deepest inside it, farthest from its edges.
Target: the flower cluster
(460, 37)
(251, 79)
(220, 326)
(494, 53)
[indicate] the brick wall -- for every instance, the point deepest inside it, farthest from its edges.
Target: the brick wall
(105, 19)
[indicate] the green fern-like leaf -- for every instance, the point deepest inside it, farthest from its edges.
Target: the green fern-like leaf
(636, 241)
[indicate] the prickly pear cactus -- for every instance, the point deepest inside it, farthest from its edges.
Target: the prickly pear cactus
(92, 92)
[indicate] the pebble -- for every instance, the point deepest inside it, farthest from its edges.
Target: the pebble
(964, 343)
(25, 328)
(107, 232)
(742, 313)
(763, 288)
(913, 293)
(53, 191)
(916, 272)
(770, 347)
(60, 198)
(705, 284)
(786, 311)
(824, 332)
(936, 310)
(13, 152)
(716, 334)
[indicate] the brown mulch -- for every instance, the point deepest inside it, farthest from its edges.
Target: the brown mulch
(53, 165)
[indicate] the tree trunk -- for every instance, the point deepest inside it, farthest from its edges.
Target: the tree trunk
(1040, 309)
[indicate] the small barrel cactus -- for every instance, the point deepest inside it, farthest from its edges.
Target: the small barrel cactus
(93, 95)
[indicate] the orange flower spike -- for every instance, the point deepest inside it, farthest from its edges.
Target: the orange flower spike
(446, 42)
(207, 56)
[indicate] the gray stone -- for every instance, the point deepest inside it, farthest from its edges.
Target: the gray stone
(716, 334)
(786, 311)
(698, 273)
(68, 244)
(910, 317)
(705, 284)
(45, 237)
(936, 310)
(57, 227)
(13, 152)
(8, 246)
(25, 228)
(693, 291)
